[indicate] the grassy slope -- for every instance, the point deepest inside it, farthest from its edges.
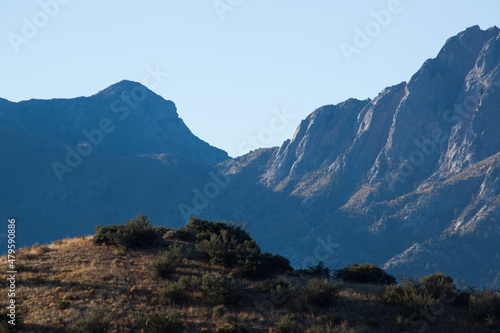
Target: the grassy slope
(57, 283)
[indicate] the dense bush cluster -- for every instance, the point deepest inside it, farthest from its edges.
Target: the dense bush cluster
(434, 290)
(366, 273)
(426, 293)
(230, 245)
(136, 233)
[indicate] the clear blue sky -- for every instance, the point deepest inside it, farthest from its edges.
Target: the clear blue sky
(227, 76)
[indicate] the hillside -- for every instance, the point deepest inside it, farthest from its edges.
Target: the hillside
(212, 277)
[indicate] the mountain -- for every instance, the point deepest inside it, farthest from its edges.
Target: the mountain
(69, 164)
(408, 180)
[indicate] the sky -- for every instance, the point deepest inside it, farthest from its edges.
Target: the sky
(242, 73)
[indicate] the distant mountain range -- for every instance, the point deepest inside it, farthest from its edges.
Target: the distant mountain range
(408, 180)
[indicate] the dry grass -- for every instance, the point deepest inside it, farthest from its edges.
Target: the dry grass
(58, 283)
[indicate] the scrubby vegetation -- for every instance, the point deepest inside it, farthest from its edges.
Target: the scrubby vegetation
(213, 277)
(136, 233)
(320, 292)
(366, 273)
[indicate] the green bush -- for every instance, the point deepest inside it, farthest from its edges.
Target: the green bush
(462, 298)
(219, 290)
(366, 273)
(286, 324)
(200, 229)
(319, 270)
(219, 311)
(229, 245)
(136, 233)
(425, 293)
(275, 286)
(411, 295)
(438, 285)
(155, 323)
(174, 294)
(485, 304)
(260, 266)
(95, 320)
(167, 261)
(320, 292)
(216, 250)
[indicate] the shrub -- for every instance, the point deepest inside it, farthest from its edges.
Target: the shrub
(219, 290)
(95, 320)
(261, 266)
(215, 250)
(438, 285)
(485, 304)
(366, 273)
(186, 283)
(167, 261)
(155, 323)
(275, 286)
(227, 244)
(162, 268)
(462, 298)
(200, 229)
(136, 233)
(320, 292)
(319, 270)
(219, 311)
(410, 295)
(173, 294)
(285, 324)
